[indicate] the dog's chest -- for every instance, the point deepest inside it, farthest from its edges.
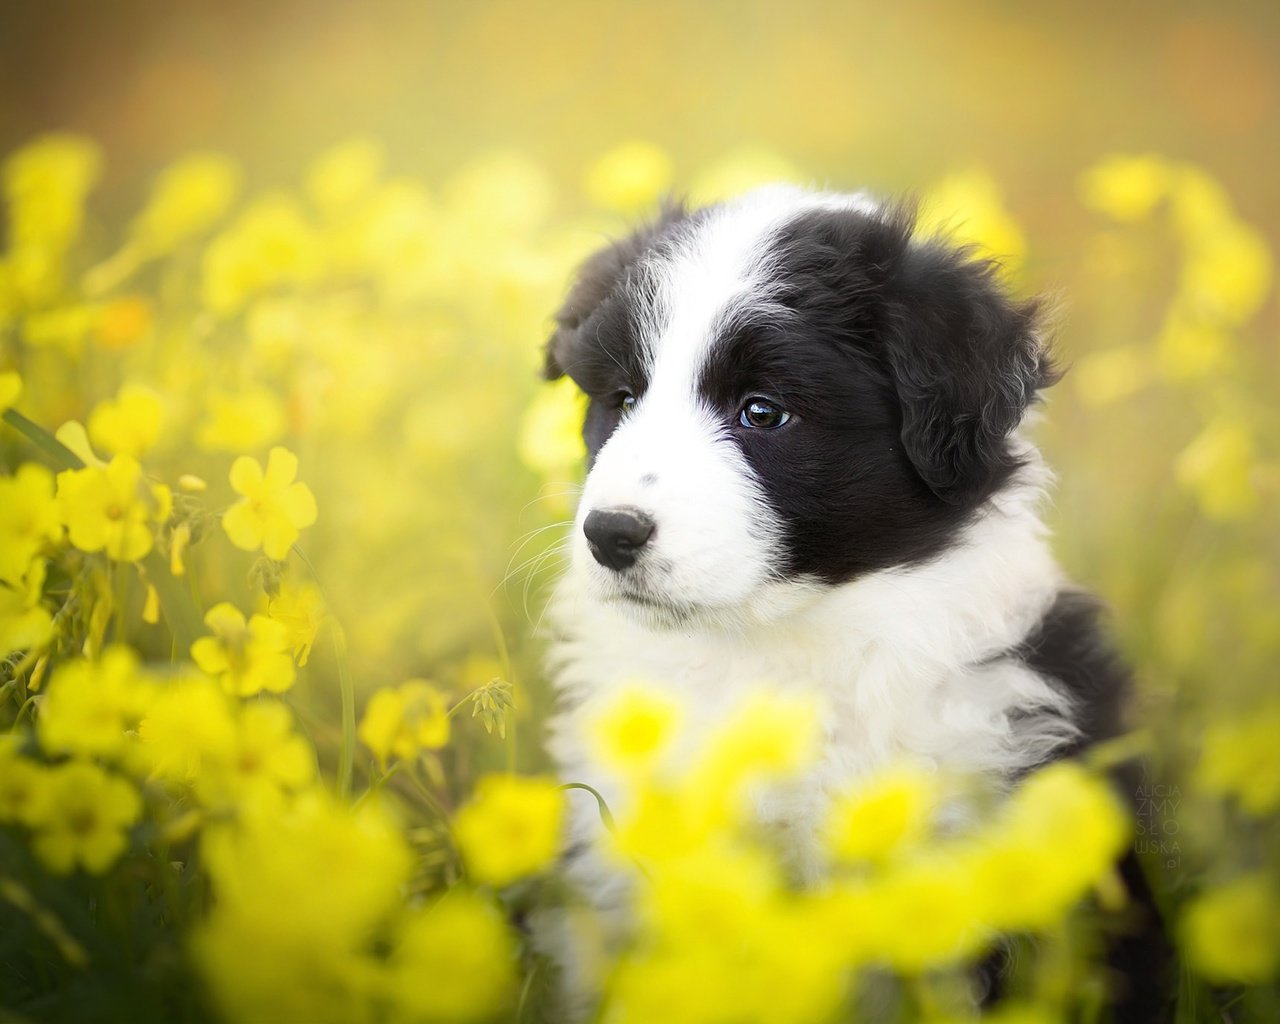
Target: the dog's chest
(710, 679)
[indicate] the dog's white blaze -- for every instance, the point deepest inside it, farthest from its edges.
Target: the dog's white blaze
(715, 540)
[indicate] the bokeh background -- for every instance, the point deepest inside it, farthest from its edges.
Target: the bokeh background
(1012, 102)
(401, 192)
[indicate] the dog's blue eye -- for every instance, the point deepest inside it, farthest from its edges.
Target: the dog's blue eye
(626, 401)
(763, 415)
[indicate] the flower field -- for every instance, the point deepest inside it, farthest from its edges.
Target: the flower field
(281, 500)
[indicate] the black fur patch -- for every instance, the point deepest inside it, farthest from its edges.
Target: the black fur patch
(1070, 648)
(597, 337)
(905, 367)
(903, 362)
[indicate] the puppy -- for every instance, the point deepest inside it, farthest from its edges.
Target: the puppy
(806, 470)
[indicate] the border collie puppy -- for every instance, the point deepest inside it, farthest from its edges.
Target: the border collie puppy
(805, 471)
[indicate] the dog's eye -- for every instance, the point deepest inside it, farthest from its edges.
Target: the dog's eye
(762, 414)
(626, 401)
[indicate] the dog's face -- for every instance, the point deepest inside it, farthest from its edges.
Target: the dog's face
(786, 392)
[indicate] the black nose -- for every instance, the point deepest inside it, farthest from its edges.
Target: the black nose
(616, 535)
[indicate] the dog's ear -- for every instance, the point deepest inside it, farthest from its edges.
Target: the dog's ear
(966, 361)
(596, 279)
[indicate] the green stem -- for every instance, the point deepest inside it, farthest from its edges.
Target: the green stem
(50, 926)
(504, 656)
(120, 572)
(42, 439)
(432, 801)
(378, 783)
(178, 605)
(346, 686)
(347, 754)
(606, 815)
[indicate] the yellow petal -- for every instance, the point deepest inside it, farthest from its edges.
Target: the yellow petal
(243, 526)
(299, 504)
(282, 467)
(246, 475)
(225, 619)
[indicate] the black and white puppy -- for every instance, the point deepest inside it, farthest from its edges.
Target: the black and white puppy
(806, 471)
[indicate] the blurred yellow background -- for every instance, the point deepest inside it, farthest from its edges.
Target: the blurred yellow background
(887, 96)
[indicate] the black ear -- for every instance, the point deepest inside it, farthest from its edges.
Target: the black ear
(966, 360)
(597, 278)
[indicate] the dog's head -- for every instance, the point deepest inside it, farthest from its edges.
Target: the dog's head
(787, 391)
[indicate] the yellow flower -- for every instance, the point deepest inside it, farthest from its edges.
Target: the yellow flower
(299, 607)
(894, 809)
(25, 623)
(28, 519)
(454, 962)
(1126, 188)
(129, 424)
(85, 819)
(724, 940)
(1227, 273)
(245, 657)
(1217, 466)
(179, 540)
(89, 706)
(109, 508)
(1238, 759)
(10, 390)
(264, 759)
(346, 173)
(403, 721)
(188, 725)
(630, 177)
(1200, 205)
(511, 828)
(46, 184)
(634, 728)
(55, 166)
(1058, 836)
(664, 823)
(719, 890)
(395, 238)
(270, 244)
(928, 913)
(189, 197)
(73, 435)
(768, 736)
(289, 935)
(24, 788)
(1231, 933)
(551, 431)
(237, 422)
(273, 508)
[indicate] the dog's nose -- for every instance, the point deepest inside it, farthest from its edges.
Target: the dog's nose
(616, 535)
